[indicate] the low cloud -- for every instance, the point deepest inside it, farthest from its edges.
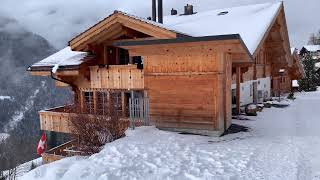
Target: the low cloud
(60, 20)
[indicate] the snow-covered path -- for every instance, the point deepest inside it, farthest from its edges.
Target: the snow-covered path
(284, 144)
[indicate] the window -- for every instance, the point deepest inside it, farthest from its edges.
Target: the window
(123, 56)
(102, 103)
(251, 89)
(88, 102)
(117, 101)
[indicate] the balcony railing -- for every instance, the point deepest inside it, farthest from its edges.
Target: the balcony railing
(60, 119)
(57, 153)
(117, 77)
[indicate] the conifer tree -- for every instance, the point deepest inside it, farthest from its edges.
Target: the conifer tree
(311, 80)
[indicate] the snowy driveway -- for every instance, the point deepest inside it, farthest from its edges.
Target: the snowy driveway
(284, 144)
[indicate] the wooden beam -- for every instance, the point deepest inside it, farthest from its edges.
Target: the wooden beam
(58, 73)
(240, 57)
(247, 64)
(238, 81)
(146, 28)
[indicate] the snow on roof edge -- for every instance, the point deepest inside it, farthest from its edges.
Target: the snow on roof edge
(270, 24)
(64, 57)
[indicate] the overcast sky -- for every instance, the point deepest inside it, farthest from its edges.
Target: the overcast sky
(59, 20)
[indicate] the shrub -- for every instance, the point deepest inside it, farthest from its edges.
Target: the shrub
(291, 96)
(93, 130)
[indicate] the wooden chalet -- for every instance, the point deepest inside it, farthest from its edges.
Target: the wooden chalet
(188, 69)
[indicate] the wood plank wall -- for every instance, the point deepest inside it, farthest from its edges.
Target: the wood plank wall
(188, 90)
(117, 77)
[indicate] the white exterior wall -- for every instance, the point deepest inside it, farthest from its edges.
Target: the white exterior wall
(265, 87)
(246, 90)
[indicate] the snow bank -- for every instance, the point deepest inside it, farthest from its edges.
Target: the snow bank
(283, 144)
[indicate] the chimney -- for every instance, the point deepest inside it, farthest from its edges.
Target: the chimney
(188, 9)
(174, 12)
(154, 11)
(160, 11)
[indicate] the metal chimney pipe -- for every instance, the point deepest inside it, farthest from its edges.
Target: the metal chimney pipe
(154, 11)
(160, 11)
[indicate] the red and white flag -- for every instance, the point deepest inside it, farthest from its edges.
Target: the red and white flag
(42, 145)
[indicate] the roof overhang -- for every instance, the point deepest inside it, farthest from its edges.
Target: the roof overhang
(232, 43)
(113, 25)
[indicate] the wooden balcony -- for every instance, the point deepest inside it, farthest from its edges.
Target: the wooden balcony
(56, 119)
(117, 77)
(59, 119)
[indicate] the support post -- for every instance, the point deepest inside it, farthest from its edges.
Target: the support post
(238, 79)
(95, 101)
(132, 109)
(123, 104)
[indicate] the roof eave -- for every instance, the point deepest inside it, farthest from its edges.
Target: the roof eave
(185, 39)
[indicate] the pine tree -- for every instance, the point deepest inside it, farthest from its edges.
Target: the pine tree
(312, 79)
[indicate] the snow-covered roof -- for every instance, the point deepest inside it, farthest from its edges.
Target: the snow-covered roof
(65, 57)
(251, 22)
(317, 65)
(312, 48)
(163, 26)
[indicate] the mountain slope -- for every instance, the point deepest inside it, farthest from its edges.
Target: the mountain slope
(23, 95)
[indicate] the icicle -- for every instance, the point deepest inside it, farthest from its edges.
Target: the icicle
(55, 68)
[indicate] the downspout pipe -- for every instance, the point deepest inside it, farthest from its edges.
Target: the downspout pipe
(60, 80)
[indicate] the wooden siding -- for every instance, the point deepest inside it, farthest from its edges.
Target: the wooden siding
(117, 77)
(189, 90)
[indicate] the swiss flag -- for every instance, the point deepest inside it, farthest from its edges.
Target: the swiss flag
(42, 145)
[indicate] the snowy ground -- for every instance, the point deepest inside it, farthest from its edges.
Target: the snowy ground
(25, 167)
(284, 144)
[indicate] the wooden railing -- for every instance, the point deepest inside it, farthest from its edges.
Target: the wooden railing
(56, 119)
(59, 119)
(117, 77)
(56, 153)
